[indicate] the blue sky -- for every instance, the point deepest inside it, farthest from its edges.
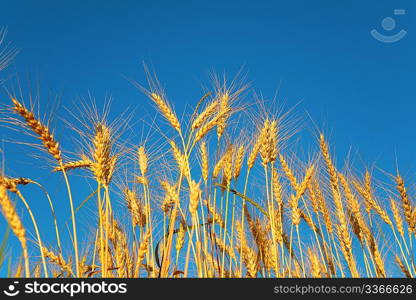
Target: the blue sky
(357, 89)
(319, 52)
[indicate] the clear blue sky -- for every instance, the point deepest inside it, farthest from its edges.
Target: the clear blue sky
(320, 52)
(356, 88)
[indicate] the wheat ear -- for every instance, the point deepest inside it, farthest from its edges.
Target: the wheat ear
(143, 160)
(166, 111)
(73, 165)
(57, 260)
(44, 133)
(204, 115)
(16, 225)
(406, 205)
(204, 161)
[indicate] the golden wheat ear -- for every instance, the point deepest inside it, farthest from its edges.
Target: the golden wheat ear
(204, 115)
(143, 160)
(73, 165)
(135, 207)
(12, 183)
(406, 205)
(57, 260)
(166, 111)
(16, 225)
(43, 131)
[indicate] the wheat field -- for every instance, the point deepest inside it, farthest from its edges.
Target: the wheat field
(224, 195)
